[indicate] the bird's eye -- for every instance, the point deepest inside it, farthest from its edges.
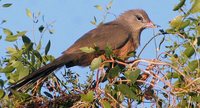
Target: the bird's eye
(139, 18)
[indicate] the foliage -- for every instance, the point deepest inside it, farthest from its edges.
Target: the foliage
(172, 79)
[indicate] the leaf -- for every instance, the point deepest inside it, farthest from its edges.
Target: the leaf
(2, 93)
(108, 51)
(3, 21)
(196, 98)
(89, 97)
(195, 7)
(39, 45)
(132, 75)
(94, 21)
(87, 49)
(106, 104)
(20, 95)
(41, 28)
(7, 5)
(51, 31)
(37, 54)
(171, 75)
(1, 83)
(98, 7)
(23, 71)
(28, 47)
(125, 90)
(7, 69)
(11, 38)
(109, 4)
(47, 47)
(114, 72)
(26, 40)
(178, 23)
(11, 50)
(189, 51)
(7, 32)
(96, 62)
(192, 66)
(28, 13)
(0, 37)
(48, 94)
(22, 33)
(179, 5)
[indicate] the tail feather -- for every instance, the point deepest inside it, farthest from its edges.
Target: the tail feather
(41, 72)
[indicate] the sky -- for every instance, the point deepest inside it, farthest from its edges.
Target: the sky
(72, 20)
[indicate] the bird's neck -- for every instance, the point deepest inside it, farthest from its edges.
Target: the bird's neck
(136, 37)
(135, 32)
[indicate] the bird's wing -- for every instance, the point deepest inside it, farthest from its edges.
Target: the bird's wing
(110, 34)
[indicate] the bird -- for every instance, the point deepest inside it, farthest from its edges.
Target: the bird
(122, 35)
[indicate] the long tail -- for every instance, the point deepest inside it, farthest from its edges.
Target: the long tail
(41, 72)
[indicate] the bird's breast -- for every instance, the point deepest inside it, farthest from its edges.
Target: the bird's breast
(127, 48)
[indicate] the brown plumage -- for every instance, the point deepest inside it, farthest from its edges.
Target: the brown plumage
(122, 35)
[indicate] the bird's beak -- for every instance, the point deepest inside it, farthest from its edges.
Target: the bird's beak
(151, 25)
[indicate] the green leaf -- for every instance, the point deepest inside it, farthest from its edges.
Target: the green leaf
(109, 4)
(20, 95)
(26, 40)
(37, 54)
(28, 47)
(3, 21)
(0, 37)
(108, 51)
(98, 7)
(41, 28)
(47, 47)
(178, 23)
(28, 13)
(96, 62)
(51, 31)
(16, 64)
(171, 75)
(195, 7)
(106, 104)
(23, 71)
(192, 66)
(11, 38)
(1, 83)
(89, 97)
(132, 75)
(125, 90)
(2, 93)
(7, 5)
(7, 69)
(22, 33)
(11, 50)
(179, 5)
(196, 98)
(114, 72)
(7, 32)
(39, 45)
(94, 21)
(189, 51)
(48, 94)
(87, 49)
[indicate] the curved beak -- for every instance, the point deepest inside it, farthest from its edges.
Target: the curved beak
(151, 25)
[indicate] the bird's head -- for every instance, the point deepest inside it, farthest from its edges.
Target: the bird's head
(137, 19)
